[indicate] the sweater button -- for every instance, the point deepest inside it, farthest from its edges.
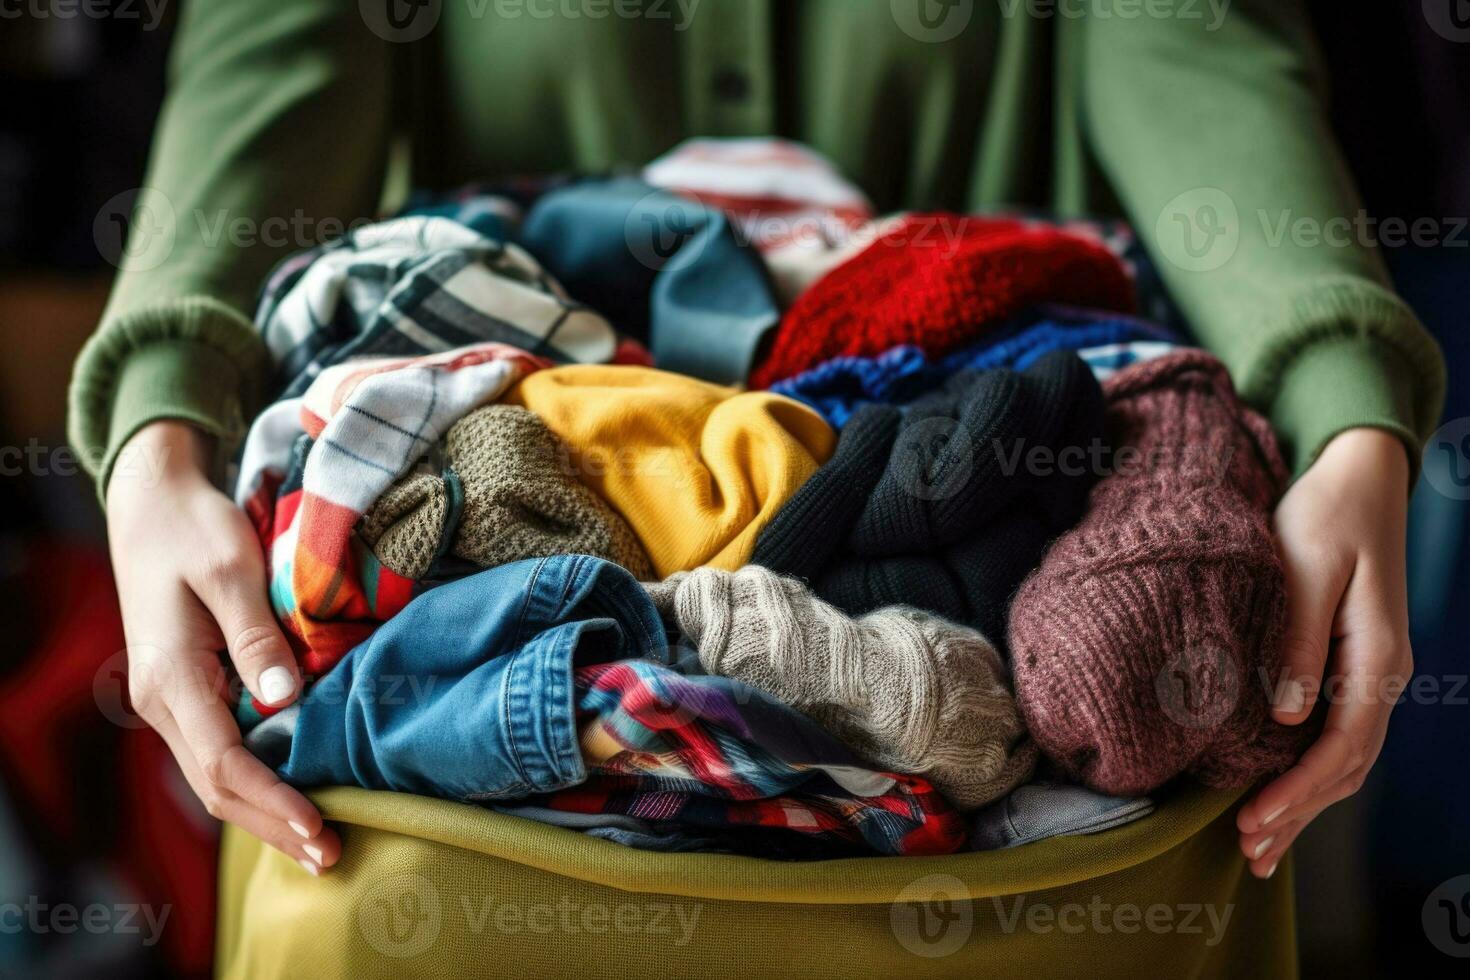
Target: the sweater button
(730, 85)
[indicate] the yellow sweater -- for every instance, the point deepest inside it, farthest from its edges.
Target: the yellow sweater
(697, 470)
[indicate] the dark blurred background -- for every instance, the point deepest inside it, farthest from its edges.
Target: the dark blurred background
(106, 861)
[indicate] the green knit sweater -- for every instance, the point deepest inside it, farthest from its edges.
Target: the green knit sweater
(1200, 122)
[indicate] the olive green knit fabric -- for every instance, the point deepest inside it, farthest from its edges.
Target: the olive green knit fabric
(507, 492)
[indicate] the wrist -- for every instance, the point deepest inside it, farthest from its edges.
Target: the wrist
(1368, 446)
(163, 452)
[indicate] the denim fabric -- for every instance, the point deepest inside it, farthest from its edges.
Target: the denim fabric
(468, 692)
(1041, 810)
(659, 266)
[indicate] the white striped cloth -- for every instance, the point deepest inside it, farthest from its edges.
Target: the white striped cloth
(418, 285)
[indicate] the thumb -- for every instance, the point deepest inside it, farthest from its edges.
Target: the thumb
(1314, 588)
(236, 597)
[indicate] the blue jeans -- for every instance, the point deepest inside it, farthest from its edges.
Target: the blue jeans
(467, 693)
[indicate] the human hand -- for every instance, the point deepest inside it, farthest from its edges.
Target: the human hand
(1340, 531)
(191, 582)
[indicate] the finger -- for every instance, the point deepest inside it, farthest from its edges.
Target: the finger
(235, 595)
(1331, 770)
(212, 738)
(314, 854)
(1314, 588)
(1272, 841)
(1265, 865)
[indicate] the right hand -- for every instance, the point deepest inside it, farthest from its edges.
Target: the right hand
(191, 582)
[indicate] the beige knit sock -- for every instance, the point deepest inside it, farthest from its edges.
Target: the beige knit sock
(909, 691)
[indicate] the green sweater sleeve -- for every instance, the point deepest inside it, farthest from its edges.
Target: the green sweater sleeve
(1209, 124)
(273, 137)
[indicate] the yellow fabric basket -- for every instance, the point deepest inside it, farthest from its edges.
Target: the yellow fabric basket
(430, 888)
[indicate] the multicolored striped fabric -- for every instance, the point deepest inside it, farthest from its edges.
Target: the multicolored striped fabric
(702, 755)
(313, 465)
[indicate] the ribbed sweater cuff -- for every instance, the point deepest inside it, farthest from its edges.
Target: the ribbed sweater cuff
(193, 360)
(1361, 360)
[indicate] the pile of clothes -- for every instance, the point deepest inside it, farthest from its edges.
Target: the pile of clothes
(704, 509)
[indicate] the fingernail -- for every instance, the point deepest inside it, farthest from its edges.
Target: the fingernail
(1275, 813)
(276, 684)
(310, 868)
(300, 830)
(1272, 870)
(1291, 697)
(1263, 847)
(315, 853)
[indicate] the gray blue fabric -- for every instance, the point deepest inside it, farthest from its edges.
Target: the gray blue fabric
(1040, 810)
(468, 692)
(659, 266)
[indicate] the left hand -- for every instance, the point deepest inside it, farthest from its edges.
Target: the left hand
(1340, 532)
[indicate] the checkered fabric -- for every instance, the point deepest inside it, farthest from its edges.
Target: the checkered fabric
(420, 284)
(694, 753)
